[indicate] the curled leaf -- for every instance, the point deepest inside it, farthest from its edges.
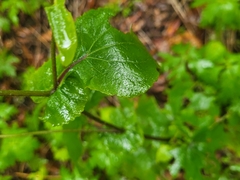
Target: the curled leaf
(64, 31)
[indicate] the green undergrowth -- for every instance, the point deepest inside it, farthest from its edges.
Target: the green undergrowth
(10, 9)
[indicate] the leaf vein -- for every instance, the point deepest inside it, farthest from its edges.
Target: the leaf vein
(111, 45)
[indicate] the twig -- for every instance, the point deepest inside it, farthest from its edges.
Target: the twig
(59, 80)
(96, 119)
(121, 130)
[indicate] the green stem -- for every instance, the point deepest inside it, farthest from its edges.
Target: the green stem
(3, 136)
(69, 68)
(54, 64)
(25, 93)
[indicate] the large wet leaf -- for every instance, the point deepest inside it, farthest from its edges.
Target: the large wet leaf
(113, 62)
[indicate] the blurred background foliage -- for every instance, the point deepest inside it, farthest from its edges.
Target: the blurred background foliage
(185, 127)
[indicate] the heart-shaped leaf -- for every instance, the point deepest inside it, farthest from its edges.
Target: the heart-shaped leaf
(115, 63)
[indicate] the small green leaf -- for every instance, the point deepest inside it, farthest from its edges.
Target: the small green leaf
(150, 117)
(6, 61)
(163, 153)
(6, 111)
(40, 79)
(115, 63)
(206, 71)
(4, 24)
(17, 148)
(72, 140)
(219, 14)
(64, 31)
(67, 102)
(200, 101)
(218, 53)
(190, 159)
(122, 116)
(213, 138)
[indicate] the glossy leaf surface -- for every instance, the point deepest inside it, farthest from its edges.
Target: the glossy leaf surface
(67, 102)
(115, 63)
(64, 31)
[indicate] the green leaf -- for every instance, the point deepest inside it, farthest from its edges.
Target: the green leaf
(123, 117)
(206, 71)
(67, 102)
(94, 98)
(150, 117)
(213, 137)
(114, 63)
(219, 14)
(40, 174)
(229, 83)
(40, 79)
(163, 153)
(217, 54)
(62, 2)
(199, 101)
(4, 24)
(64, 31)
(113, 115)
(190, 159)
(6, 61)
(16, 149)
(72, 140)
(6, 111)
